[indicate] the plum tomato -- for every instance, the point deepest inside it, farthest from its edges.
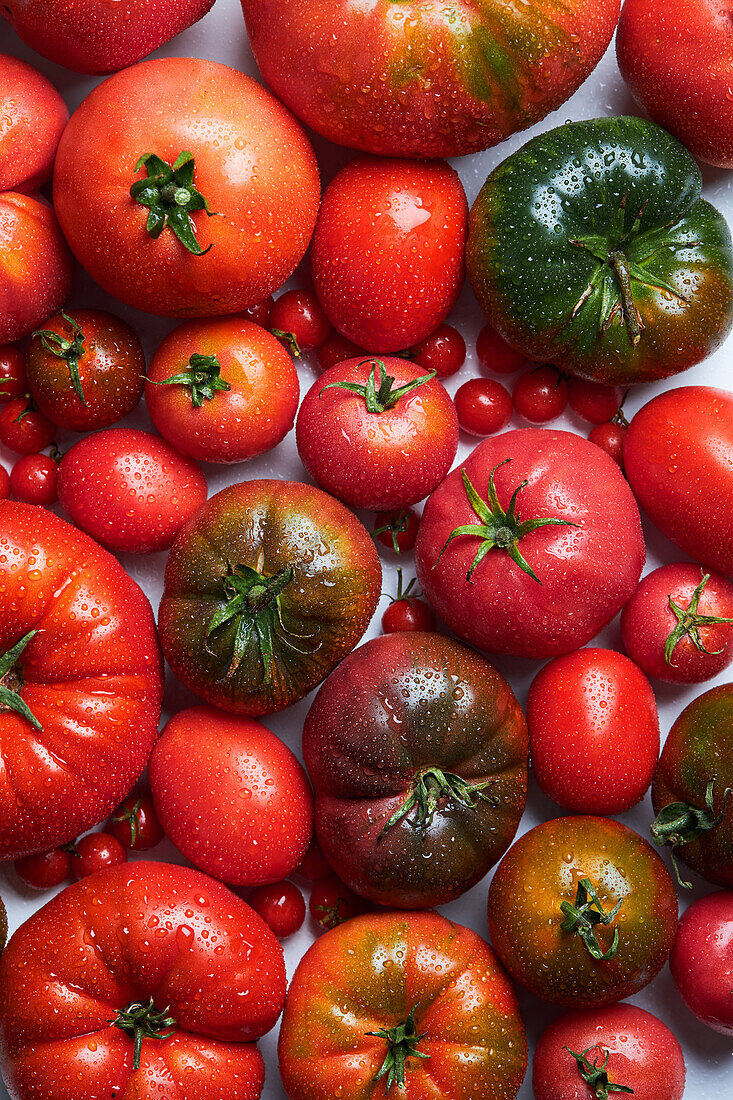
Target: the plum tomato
(96, 852)
(23, 428)
(483, 406)
(593, 731)
(34, 479)
(46, 869)
(593, 401)
(332, 902)
(387, 252)
(34, 116)
(135, 823)
(298, 320)
(231, 796)
(397, 530)
(281, 906)
(582, 911)
(702, 960)
(443, 351)
(540, 395)
(13, 382)
(495, 355)
(406, 610)
(36, 267)
(335, 349)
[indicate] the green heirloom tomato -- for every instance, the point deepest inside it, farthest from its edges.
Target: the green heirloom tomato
(591, 248)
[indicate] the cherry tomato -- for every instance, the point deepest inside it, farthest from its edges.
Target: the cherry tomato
(337, 349)
(610, 437)
(12, 373)
(33, 479)
(298, 320)
(96, 852)
(397, 530)
(332, 902)
(443, 351)
(259, 314)
(281, 906)
(593, 401)
(484, 406)
(135, 823)
(702, 960)
(540, 395)
(314, 866)
(407, 612)
(495, 354)
(45, 870)
(4, 483)
(23, 428)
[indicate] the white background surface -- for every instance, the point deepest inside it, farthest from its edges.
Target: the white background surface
(221, 36)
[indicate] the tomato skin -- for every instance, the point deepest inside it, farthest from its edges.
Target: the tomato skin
(644, 1054)
(248, 419)
(335, 349)
(34, 116)
(678, 455)
(96, 852)
(255, 821)
(540, 395)
(483, 406)
(432, 961)
(4, 483)
(281, 906)
(542, 870)
(12, 373)
(702, 960)
(494, 354)
(387, 252)
(135, 823)
(23, 428)
(33, 479)
(593, 402)
(259, 313)
(46, 869)
(260, 173)
(313, 867)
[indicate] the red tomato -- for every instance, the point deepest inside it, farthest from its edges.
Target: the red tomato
(702, 960)
(610, 438)
(45, 870)
(332, 902)
(33, 479)
(129, 490)
(407, 612)
(594, 731)
(483, 406)
(377, 433)
(443, 351)
(12, 373)
(33, 119)
(586, 1053)
(495, 354)
(142, 980)
(678, 455)
(313, 866)
(532, 545)
(593, 401)
(281, 906)
(222, 390)
(298, 320)
(387, 252)
(259, 313)
(231, 796)
(23, 428)
(206, 134)
(540, 395)
(96, 852)
(135, 823)
(36, 267)
(397, 530)
(335, 349)
(81, 674)
(4, 483)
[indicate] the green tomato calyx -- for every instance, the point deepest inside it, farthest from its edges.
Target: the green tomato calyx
(689, 622)
(399, 523)
(11, 682)
(202, 376)
(680, 823)
(140, 1022)
(379, 396)
(169, 193)
(290, 340)
(429, 788)
(402, 1043)
(596, 1076)
(130, 817)
(582, 918)
(71, 349)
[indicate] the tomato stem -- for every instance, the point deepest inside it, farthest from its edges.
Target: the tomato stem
(620, 265)
(402, 1043)
(689, 622)
(202, 376)
(71, 350)
(429, 788)
(169, 193)
(582, 918)
(679, 823)
(11, 682)
(380, 397)
(596, 1076)
(140, 1022)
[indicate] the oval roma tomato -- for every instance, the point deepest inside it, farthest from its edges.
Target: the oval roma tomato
(267, 588)
(621, 1048)
(531, 546)
(86, 371)
(592, 248)
(594, 731)
(690, 793)
(417, 751)
(36, 267)
(80, 681)
(129, 490)
(201, 188)
(108, 989)
(231, 796)
(678, 455)
(582, 911)
(702, 960)
(222, 390)
(33, 119)
(377, 433)
(403, 1004)
(387, 252)
(414, 78)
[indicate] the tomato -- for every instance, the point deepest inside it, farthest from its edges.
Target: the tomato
(34, 116)
(495, 354)
(33, 479)
(397, 530)
(675, 57)
(377, 433)
(267, 588)
(165, 146)
(12, 373)
(80, 681)
(702, 960)
(626, 278)
(332, 902)
(384, 998)
(86, 371)
(335, 349)
(259, 313)
(417, 751)
(313, 867)
(678, 625)
(678, 454)
(4, 483)
(484, 406)
(540, 395)
(443, 351)
(621, 1048)
(129, 490)
(532, 545)
(610, 437)
(281, 906)
(231, 796)
(690, 793)
(412, 78)
(582, 911)
(593, 402)
(135, 823)
(298, 320)
(46, 869)
(36, 267)
(387, 252)
(593, 731)
(91, 36)
(222, 390)
(96, 852)
(23, 428)
(407, 614)
(107, 990)
(3, 925)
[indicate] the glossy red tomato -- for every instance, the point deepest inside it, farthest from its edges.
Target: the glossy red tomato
(593, 731)
(46, 869)
(594, 402)
(387, 252)
(129, 490)
(36, 267)
(610, 438)
(335, 349)
(483, 406)
(259, 313)
(702, 960)
(107, 990)
(494, 354)
(332, 902)
(34, 479)
(12, 372)
(313, 867)
(377, 433)
(222, 390)
(411, 614)
(231, 796)
(397, 530)
(540, 395)
(4, 483)
(33, 119)
(81, 676)
(23, 428)
(281, 906)
(150, 157)
(135, 823)
(96, 852)
(443, 351)
(298, 320)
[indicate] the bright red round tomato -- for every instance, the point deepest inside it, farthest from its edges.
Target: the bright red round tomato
(212, 142)
(34, 479)
(259, 313)
(4, 483)
(610, 438)
(377, 433)
(36, 267)
(483, 406)
(540, 395)
(23, 428)
(298, 320)
(281, 906)
(129, 490)
(397, 530)
(408, 615)
(222, 390)
(336, 349)
(702, 960)
(592, 401)
(96, 852)
(231, 796)
(33, 119)
(12, 373)
(108, 990)
(46, 869)
(387, 252)
(314, 866)
(494, 354)
(443, 351)
(332, 902)
(593, 731)
(135, 823)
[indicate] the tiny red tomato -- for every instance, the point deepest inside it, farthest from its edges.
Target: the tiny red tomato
(540, 395)
(314, 866)
(610, 438)
(96, 852)
(33, 479)
(4, 483)
(332, 902)
(45, 870)
(281, 906)
(23, 428)
(443, 351)
(298, 321)
(407, 612)
(135, 823)
(259, 314)
(483, 405)
(337, 349)
(12, 373)
(397, 530)
(593, 401)
(702, 960)
(495, 354)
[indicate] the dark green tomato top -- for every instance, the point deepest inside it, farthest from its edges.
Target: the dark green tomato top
(591, 248)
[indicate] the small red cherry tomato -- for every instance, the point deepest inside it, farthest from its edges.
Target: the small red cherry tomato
(593, 401)
(23, 428)
(135, 823)
(281, 905)
(45, 870)
(702, 960)
(397, 530)
(540, 395)
(495, 354)
(443, 351)
(96, 852)
(4, 483)
(12, 373)
(332, 902)
(259, 313)
(337, 349)
(314, 866)
(483, 405)
(407, 612)
(298, 321)
(610, 438)
(33, 479)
